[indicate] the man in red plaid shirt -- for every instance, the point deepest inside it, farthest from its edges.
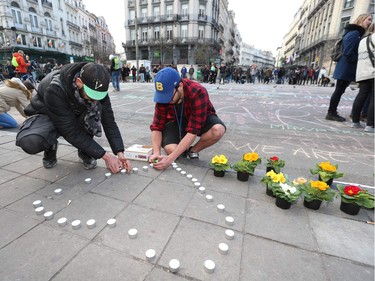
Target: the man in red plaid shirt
(183, 111)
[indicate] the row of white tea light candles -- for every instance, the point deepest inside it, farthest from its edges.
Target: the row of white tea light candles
(209, 265)
(174, 264)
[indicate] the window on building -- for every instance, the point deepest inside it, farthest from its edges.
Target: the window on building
(16, 12)
(132, 36)
(36, 41)
(62, 26)
(201, 32)
(144, 34)
(202, 11)
(344, 22)
(184, 9)
(169, 11)
(132, 15)
(50, 43)
(144, 13)
(33, 18)
(348, 4)
(157, 32)
(21, 39)
(48, 21)
(184, 31)
(156, 11)
(169, 32)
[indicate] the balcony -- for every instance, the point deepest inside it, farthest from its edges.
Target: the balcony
(202, 17)
(51, 33)
(183, 17)
(75, 44)
(143, 2)
(73, 25)
(46, 4)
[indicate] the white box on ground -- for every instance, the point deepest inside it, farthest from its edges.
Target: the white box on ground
(138, 152)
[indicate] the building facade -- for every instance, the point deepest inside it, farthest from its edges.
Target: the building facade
(316, 27)
(180, 32)
(53, 30)
(251, 56)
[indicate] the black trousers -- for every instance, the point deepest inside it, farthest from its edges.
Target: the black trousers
(366, 89)
(341, 86)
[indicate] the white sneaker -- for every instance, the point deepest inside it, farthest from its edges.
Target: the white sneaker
(369, 129)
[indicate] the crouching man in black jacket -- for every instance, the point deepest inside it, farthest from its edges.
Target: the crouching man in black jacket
(73, 102)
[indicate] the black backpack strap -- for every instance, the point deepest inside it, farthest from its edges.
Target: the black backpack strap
(370, 53)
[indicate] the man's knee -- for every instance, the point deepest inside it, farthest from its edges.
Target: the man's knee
(32, 144)
(218, 131)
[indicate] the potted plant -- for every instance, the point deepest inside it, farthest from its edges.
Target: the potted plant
(220, 165)
(286, 194)
(353, 198)
(271, 180)
(327, 172)
(275, 164)
(246, 166)
(315, 192)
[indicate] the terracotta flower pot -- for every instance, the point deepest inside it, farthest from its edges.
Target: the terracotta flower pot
(219, 173)
(242, 176)
(313, 204)
(350, 208)
(282, 203)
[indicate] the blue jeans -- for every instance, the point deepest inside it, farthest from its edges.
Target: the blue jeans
(7, 121)
(116, 79)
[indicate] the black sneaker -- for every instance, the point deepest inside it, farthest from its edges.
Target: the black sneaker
(88, 162)
(192, 154)
(335, 117)
(49, 158)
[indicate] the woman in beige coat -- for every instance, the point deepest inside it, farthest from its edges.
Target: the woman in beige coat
(17, 94)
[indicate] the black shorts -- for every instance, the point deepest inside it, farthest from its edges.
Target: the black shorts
(171, 135)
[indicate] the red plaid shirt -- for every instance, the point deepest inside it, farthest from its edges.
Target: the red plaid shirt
(197, 106)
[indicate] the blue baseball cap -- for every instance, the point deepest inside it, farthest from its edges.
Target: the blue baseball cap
(166, 80)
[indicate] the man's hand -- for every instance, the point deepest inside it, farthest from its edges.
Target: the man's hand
(114, 164)
(154, 158)
(125, 162)
(163, 162)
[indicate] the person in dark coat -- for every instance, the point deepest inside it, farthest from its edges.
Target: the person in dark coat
(73, 102)
(346, 67)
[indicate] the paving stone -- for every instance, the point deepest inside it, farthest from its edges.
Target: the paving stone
(108, 264)
(332, 234)
(123, 187)
(171, 175)
(154, 230)
(172, 197)
(24, 166)
(205, 211)
(38, 255)
(18, 188)
(286, 226)
(263, 259)
(9, 156)
(7, 176)
(227, 184)
(90, 206)
(77, 176)
(15, 225)
(62, 169)
(158, 274)
(201, 242)
(337, 270)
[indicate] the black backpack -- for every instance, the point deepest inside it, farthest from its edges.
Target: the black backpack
(337, 50)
